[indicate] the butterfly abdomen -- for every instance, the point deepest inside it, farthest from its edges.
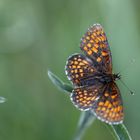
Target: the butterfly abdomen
(97, 79)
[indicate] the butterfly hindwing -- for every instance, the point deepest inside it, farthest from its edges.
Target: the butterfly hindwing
(85, 97)
(109, 107)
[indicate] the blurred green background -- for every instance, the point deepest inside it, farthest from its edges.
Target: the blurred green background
(37, 35)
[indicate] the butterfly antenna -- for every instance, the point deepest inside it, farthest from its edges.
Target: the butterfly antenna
(131, 92)
(131, 62)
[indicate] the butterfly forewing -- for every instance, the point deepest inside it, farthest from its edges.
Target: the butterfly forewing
(78, 69)
(95, 45)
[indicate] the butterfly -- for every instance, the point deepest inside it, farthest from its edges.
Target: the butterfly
(91, 74)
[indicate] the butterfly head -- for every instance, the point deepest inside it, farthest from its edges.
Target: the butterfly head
(116, 76)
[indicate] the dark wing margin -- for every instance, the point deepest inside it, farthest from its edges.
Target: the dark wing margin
(95, 45)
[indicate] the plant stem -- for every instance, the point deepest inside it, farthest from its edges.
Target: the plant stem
(85, 120)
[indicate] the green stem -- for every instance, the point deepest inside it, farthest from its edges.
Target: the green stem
(59, 83)
(121, 132)
(85, 120)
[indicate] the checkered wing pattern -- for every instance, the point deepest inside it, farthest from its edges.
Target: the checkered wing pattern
(79, 69)
(85, 97)
(95, 45)
(109, 107)
(92, 78)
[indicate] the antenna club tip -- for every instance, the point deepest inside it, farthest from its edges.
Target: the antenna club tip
(132, 93)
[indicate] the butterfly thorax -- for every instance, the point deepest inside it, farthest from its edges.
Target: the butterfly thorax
(103, 78)
(107, 78)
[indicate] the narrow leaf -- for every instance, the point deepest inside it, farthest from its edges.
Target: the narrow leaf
(121, 131)
(2, 99)
(59, 83)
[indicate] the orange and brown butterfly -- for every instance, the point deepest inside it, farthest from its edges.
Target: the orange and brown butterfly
(91, 75)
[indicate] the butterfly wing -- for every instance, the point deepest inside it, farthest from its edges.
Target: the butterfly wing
(95, 45)
(79, 69)
(109, 107)
(85, 97)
